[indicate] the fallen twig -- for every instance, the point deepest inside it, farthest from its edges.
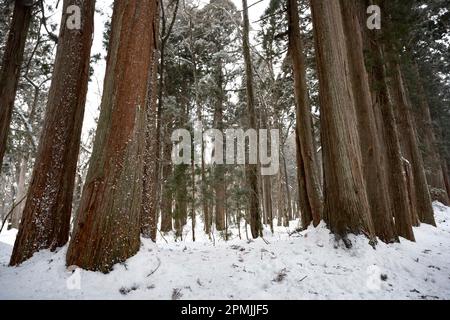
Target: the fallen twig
(159, 264)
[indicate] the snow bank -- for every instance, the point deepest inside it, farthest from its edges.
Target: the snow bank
(310, 265)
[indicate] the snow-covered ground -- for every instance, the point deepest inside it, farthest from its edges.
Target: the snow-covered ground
(310, 265)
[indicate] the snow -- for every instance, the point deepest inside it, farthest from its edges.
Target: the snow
(310, 265)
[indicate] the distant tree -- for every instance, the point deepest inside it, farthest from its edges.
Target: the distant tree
(252, 171)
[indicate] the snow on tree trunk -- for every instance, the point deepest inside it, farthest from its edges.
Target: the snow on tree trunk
(46, 216)
(150, 188)
(107, 227)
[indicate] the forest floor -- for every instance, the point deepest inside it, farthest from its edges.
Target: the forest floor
(307, 265)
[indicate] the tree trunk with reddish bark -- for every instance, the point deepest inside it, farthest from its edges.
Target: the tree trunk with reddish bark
(373, 167)
(402, 209)
(308, 174)
(10, 72)
(431, 157)
(409, 141)
(107, 229)
(46, 216)
(152, 152)
(346, 208)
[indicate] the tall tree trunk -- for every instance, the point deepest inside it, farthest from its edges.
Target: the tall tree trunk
(411, 196)
(267, 180)
(107, 230)
(445, 170)
(166, 194)
(432, 159)
(402, 209)
(152, 152)
(181, 198)
(267, 186)
(346, 207)
(280, 199)
(410, 144)
(286, 215)
(219, 187)
(310, 186)
(203, 183)
(46, 216)
(219, 169)
(193, 204)
(288, 189)
(205, 198)
(252, 169)
(21, 193)
(373, 167)
(288, 210)
(10, 72)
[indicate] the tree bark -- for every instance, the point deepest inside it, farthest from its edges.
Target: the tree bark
(431, 158)
(346, 207)
(46, 216)
(280, 200)
(409, 142)
(288, 189)
(402, 209)
(251, 169)
(266, 182)
(411, 196)
(10, 72)
(107, 229)
(373, 168)
(21, 193)
(166, 194)
(219, 169)
(306, 156)
(181, 198)
(445, 170)
(152, 152)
